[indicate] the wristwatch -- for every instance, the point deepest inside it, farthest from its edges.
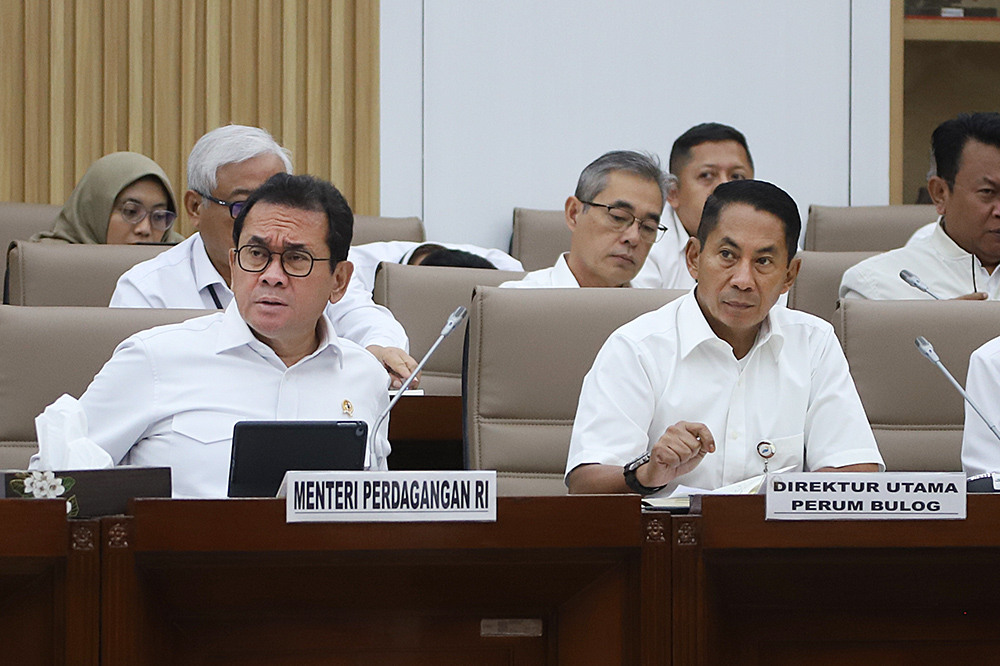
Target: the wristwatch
(632, 482)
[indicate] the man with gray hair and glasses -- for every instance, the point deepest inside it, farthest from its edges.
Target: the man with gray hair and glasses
(615, 219)
(224, 167)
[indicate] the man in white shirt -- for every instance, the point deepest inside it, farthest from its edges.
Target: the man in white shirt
(615, 219)
(980, 447)
(171, 395)
(705, 390)
(224, 167)
(958, 259)
(366, 258)
(700, 159)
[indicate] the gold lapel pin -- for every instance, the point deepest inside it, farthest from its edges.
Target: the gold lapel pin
(348, 407)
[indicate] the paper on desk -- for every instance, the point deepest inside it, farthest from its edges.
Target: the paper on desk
(62, 439)
(752, 486)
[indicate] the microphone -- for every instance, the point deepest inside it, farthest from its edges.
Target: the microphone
(912, 280)
(454, 319)
(927, 351)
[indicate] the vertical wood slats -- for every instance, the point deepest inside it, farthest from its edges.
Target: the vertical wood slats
(83, 78)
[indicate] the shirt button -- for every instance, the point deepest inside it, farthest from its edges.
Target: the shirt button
(734, 434)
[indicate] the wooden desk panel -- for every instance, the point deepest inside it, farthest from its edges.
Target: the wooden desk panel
(49, 572)
(834, 592)
(221, 582)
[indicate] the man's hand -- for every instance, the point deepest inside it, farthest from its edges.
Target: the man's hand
(399, 364)
(974, 296)
(678, 452)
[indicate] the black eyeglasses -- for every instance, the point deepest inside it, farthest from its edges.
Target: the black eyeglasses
(134, 212)
(234, 207)
(621, 219)
(296, 263)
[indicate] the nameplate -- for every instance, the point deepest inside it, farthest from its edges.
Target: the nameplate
(860, 496)
(408, 497)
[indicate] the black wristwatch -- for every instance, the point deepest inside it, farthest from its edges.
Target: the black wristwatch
(632, 482)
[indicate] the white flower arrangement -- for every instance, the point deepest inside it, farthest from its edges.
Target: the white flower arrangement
(45, 485)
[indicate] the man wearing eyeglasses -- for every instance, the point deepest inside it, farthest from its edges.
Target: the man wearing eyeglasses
(224, 167)
(272, 354)
(615, 219)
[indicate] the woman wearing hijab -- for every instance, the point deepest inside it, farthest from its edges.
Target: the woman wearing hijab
(124, 198)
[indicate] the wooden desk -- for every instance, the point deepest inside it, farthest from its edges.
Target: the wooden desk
(229, 582)
(49, 575)
(750, 591)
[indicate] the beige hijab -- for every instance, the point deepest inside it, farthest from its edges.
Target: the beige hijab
(84, 218)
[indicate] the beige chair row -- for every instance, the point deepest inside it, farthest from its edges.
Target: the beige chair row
(540, 236)
(21, 221)
(421, 298)
(86, 275)
(529, 350)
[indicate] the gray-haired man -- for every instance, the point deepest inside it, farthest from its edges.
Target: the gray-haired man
(615, 219)
(224, 167)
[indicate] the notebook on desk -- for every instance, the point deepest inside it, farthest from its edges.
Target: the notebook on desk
(264, 450)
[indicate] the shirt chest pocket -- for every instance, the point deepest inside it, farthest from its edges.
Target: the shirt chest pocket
(787, 451)
(204, 427)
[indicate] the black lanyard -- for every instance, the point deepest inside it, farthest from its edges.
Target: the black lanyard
(215, 297)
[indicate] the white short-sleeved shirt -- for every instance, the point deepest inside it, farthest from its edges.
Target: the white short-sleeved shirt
(935, 258)
(794, 390)
(558, 276)
(367, 257)
(171, 395)
(980, 447)
(184, 277)
(666, 264)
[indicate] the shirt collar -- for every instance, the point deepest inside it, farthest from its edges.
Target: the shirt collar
(944, 245)
(693, 329)
(236, 333)
(562, 276)
(205, 274)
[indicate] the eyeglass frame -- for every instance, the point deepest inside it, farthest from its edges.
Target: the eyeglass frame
(146, 212)
(230, 205)
(660, 229)
(270, 257)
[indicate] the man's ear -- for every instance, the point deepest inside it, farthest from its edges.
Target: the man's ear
(791, 273)
(692, 255)
(232, 261)
(341, 278)
(573, 209)
(192, 204)
(938, 188)
(673, 191)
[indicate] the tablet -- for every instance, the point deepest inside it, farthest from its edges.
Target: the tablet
(264, 450)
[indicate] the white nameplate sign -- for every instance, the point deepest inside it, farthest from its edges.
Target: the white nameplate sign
(860, 496)
(371, 497)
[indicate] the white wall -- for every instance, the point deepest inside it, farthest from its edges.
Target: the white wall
(513, 98)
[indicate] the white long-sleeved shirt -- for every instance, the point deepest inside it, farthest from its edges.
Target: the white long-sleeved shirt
(184, 277)
(171, 395)
(946, 269)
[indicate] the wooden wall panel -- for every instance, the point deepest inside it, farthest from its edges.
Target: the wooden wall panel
(83, 78)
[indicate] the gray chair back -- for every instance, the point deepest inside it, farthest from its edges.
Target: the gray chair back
(421, 298)
(21, 221)
(539, 237)
(817, 287)
(864, 228)
(50, 351)
(528, 352)
(916, 414)
(372, 229)
(60, 274)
